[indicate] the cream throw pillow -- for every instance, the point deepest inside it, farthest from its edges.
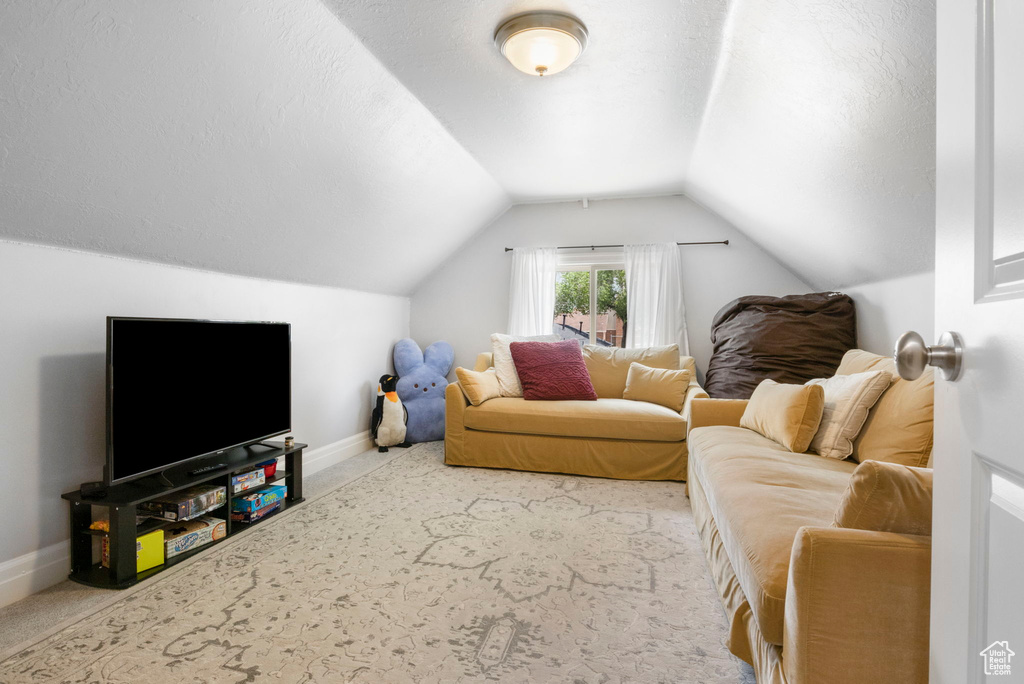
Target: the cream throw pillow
(787, 414)
(504, 367)
(478, 386)
(848, 399)
(657, 385)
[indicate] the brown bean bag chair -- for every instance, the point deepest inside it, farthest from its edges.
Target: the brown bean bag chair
(788, 339)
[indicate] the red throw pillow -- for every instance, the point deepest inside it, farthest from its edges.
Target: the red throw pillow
(552, 370)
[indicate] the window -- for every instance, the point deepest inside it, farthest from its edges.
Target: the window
(590, 298)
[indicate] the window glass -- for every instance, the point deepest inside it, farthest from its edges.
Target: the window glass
(572, 305)
(611, 307)
(590, 305)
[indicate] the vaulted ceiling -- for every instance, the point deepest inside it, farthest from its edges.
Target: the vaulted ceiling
(358, 143)
(622, 121)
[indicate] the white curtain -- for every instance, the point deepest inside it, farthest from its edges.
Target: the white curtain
(531, 302)
(654, 287)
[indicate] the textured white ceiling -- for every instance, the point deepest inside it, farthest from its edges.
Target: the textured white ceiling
(809, 125)
(819, 137)
(258, 138)
(317, 140)
(621, 121)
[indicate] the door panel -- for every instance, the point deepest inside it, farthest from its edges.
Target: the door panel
(1001, 574)
(1008, 133)
(998, 99)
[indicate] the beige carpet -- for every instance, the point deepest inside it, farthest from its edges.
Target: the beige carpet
(418, 572)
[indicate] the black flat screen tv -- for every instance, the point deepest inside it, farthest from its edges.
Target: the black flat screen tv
(179, 390)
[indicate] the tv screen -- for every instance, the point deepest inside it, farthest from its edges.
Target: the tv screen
(182, 389)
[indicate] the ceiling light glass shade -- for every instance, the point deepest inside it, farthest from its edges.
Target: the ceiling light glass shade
(541, 43)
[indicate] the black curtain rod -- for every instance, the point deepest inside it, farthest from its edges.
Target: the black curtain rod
(714, 242)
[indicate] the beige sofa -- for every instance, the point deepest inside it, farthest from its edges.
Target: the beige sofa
(811, 600)
(611, 437)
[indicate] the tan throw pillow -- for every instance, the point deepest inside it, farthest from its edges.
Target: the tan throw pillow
(657, 385)
(508, 379)
(887, 497)
(787, 414)
(609, 366)
(478, 386)
(848, 398)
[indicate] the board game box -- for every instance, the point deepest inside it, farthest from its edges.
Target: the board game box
(190, 534)
(240, 483)
(253, 516)
(187, 504)
(149, 550)
(250, 503)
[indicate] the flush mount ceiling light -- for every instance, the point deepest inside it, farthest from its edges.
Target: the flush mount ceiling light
(541, 43)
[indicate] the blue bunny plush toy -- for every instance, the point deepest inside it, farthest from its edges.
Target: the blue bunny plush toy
(423, 377)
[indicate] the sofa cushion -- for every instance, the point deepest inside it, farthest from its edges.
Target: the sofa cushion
(604, 418)
(760, 494)
(552, 371)
(899, 426)
(609, 366)
(657, 385)
(887, 497)
(788, 414)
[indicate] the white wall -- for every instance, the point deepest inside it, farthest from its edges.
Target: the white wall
(52, 350)
(466, 299)
(888, 308)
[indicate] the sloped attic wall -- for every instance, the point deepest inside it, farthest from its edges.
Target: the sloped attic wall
(255, 138)
(466, 299)
(819, 136)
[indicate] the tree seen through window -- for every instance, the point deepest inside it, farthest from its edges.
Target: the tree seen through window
(607, 324)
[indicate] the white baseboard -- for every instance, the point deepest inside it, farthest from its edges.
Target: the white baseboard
(315, 460)
(35, 571)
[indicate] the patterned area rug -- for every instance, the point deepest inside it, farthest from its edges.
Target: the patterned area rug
(419, 572)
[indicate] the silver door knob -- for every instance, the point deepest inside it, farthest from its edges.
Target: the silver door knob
(912, 355)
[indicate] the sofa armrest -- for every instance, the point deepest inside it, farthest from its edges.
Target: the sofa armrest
(455, 403)
(705, 412)
(857, 607)
(694, 391)
(484, 360)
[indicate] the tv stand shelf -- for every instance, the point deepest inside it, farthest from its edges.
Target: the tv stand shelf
(121, 502)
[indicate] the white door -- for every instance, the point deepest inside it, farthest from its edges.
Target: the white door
(978, 526)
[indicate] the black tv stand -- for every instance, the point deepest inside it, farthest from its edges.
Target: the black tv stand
(121, 501)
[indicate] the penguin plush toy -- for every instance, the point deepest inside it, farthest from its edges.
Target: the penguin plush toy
(389, 416)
